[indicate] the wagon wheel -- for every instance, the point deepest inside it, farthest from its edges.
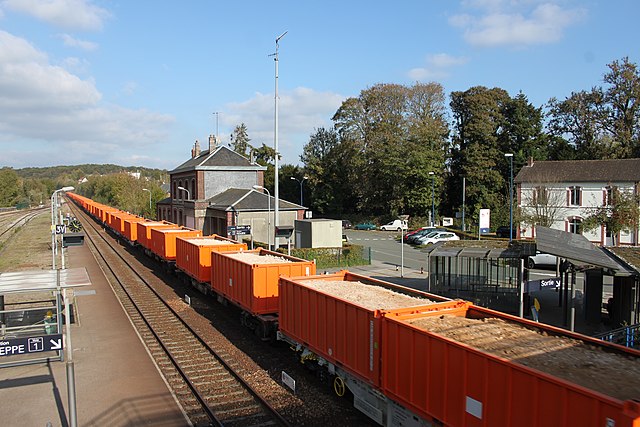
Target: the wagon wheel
(339, 386)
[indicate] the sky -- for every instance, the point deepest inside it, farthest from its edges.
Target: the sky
(136, 83)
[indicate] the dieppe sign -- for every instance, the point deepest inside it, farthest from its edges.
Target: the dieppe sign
(17, 346)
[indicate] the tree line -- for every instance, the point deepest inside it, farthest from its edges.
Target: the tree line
(392, 144)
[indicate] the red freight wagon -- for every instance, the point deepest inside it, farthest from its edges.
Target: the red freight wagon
(163, 240)
(144, 231)
(250, 278)
(341, 320)
(473, 366)
(193, 255)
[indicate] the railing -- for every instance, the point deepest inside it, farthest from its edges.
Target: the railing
(628, 336)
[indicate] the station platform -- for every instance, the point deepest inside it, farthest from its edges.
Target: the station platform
(117, 383)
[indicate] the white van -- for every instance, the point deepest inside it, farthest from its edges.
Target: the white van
(395, 225)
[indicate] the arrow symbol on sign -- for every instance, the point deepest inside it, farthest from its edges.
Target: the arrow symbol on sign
(56, 344)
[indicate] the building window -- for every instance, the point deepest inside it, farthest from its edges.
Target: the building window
(193, 189)
(541, 196)
(575, 196)
(610, 194)
(575, 226)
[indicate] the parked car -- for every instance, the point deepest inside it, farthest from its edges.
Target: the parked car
(365, 226)
(395, 225)
(411, 233)
(541, 259)
(421, 233)
(503, 232)
(346, 223)
(438, 236)
(345, 239)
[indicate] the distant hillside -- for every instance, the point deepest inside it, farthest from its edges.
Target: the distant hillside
(78, 172)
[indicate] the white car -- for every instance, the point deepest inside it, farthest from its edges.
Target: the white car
(395, 225)
(540, 259)
(437, 236)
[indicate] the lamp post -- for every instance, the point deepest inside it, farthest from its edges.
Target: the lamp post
(433, 200)
(510, 156)
(300, 181)
(187, 191)
(275, 138)
(54, 220)
(144, 189)
(259, 187)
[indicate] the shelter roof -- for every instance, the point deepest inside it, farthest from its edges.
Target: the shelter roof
(42, 280)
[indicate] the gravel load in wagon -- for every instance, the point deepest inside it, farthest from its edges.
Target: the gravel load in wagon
(210, 242)
(581, 363)
(371, 297)
(252, 258)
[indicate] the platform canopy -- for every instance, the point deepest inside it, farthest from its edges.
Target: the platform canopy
(43, 280)
(575, 247)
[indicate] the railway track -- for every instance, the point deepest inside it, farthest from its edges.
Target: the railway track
(203, 379)
(10, 222)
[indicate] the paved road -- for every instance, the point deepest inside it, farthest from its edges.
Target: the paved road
(386, 248)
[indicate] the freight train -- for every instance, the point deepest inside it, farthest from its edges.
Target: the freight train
(407, 357)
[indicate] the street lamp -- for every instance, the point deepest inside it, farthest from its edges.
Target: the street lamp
(275, 137)
(144, 189)
(259, 187)
(510, 156)
(300, 181)
(188, 193)
(54, 218)
(433, 199)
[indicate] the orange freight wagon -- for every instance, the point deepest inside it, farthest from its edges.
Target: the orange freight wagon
(473, 366)
(193, 254)
(163, 240)
(144, 231)
(250, 278)
(321, 313)
(118, 219)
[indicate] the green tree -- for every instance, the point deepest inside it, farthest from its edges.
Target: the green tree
(621, 213)
(240, 139)
(10, 187)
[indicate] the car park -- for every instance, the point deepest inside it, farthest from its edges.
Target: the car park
(395, 225)
(421, 233)
(437, 236)
(365, 226)
(541, 259)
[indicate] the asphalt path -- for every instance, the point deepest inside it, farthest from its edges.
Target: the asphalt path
(386, 248)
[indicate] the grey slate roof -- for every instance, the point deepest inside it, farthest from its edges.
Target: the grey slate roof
(615, 170)
(241, 199)
(222, 158)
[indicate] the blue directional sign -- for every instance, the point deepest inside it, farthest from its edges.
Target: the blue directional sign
(17, 346)
(541, 285)
(237, 230)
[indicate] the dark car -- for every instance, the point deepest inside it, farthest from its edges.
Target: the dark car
(365, 226)
(346, 223)
(503, 232)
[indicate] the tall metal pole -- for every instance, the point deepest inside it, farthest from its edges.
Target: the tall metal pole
(433, 199)
(510, 156)
(301, 182)
(275, 142)
(464, 183)
(216, 113)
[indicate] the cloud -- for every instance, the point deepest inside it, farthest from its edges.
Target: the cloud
(301, 111)
(437, 68)
(47, 113)
(74, 14)
(515, 23)
(81, 44)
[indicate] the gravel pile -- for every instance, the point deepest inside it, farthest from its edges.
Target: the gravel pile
(590, 366)
(253, 258)
(371, 297)
(209, 242)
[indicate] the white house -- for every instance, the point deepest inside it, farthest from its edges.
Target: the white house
(561, 193)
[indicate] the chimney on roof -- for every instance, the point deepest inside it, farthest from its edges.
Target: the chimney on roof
(213, 144)
(195, 151)
(530, 162)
